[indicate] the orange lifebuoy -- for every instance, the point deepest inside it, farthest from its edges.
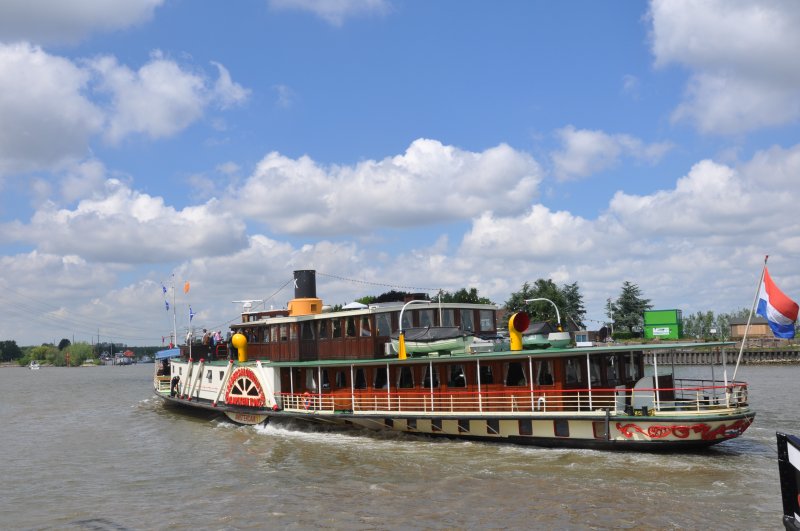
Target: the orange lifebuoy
(307, 399)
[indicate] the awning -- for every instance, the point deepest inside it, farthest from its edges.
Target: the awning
(170, 353)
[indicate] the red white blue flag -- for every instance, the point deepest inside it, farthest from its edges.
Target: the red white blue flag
(777, 308)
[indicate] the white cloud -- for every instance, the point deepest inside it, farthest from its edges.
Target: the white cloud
(743, 57)
(161, 98)
(46, 118)
(585, 152)
(334, 11)
(125, 226)
(429, 183)
(69, 20)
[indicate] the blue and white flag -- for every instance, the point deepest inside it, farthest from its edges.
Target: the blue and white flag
(191, 314)
(167, 305)
(163, 288)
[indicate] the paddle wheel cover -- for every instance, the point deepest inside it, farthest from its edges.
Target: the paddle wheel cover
(244, 389)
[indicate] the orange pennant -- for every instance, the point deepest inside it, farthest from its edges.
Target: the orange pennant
(186, 287)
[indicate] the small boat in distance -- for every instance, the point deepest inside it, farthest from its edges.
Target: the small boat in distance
(343, 368)
(33, 365)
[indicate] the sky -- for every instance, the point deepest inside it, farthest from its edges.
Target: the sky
(388, 144)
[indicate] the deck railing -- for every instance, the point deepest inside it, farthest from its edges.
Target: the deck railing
(689, 396)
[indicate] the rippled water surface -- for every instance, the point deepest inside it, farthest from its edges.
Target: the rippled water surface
(91, 448)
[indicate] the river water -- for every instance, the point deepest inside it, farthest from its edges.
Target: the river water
(92, 448)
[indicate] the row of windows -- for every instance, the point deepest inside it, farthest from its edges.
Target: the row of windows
(514, 374)
(380, 324)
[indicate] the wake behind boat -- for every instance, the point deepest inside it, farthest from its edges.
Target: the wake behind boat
(340, 368)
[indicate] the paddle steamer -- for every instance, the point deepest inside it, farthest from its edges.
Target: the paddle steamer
(306, 362)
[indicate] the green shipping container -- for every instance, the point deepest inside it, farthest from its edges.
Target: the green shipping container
(663, 324)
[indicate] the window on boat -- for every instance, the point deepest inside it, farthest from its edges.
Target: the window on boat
(361, 380)
(341, 379)
(273, 333)
(208, 375)
(326, 384)
(493, 426)
(384, 322)
(448, 317)
(266, 334)
(293, 331)
(612, 375)
(487, 320)
(426, 317)
(284, 331)
(544, 372)
(408, 319)
(572, 371)
(221, 375)
(366, 327)
(336, 327)
(311, 381)
(467, 321)
(515, 374)
(594, 367)
(632, 365)
(456, 376)
(463, 425)
(323, 329)
(561, 428)
(307, 331)
(436, 424)
(405, 378)
(379, 382)
(486, 375)
(411, 424)
(350, 330)
(426, 381)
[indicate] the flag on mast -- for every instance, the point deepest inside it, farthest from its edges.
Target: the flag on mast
(778, 309)
(191, 314)
(186, 287)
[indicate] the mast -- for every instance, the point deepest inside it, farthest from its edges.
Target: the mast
(174, 318)
(749, 318)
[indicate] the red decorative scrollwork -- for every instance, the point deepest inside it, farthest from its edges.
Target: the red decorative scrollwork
(681, 431)
(244, 389)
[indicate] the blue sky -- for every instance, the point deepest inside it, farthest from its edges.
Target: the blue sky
(400, 143)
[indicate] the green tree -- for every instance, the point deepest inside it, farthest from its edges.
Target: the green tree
(567, 298)
(64, 343)
(628, 309)
(463, 295)
(9, 351)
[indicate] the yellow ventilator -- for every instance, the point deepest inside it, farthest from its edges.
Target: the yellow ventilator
(516, 325)
(401, 347)
(240, 342)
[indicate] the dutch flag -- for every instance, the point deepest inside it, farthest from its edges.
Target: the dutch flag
(777, 308)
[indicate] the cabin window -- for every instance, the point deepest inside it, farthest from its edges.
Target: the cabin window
(284, 330)
(544, 372)
(341, 379)
(266, 334)
(311, 382)
(350, 330)
(366, 327)
(525, 427)
(599, 429)
(463, 425)
(306, 331)
(426, 317)
(326, 384)
(594, 368)
(486, 375)
(293, 331)
(467, 321)
(561, 427)
(384, 322)
(336, 326)
(361, 380)
(487, 320)
(323, 329)
(515, 374)
(426, 381)
(408, 320)
(208, 375)
(456, 376)
(405, 378)
(572, 371)
(612, 375)
(493, 426)
(448, 317)
(273, 330)
(411, 424)
(380, 381)
(221, 375)
(436, 424)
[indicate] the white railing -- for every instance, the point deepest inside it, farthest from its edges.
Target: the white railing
(687, 398)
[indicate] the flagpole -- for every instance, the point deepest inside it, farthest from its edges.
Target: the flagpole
(749, 318)
(174, 318)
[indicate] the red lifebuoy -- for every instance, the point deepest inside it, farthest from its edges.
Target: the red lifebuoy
(306, 400)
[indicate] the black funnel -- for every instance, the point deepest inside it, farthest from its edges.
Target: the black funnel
(305, 284)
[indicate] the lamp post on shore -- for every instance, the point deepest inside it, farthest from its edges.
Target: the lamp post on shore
(401, 340)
